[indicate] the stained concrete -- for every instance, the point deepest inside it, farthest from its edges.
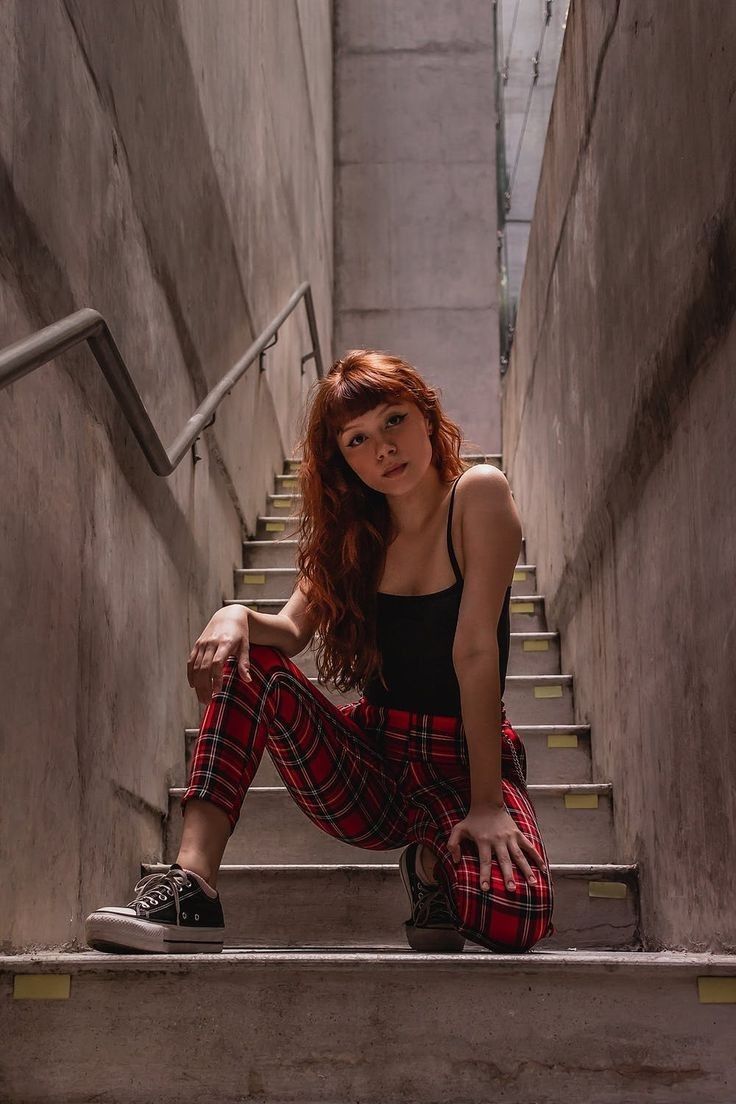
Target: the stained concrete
(338, 1026)
(525, 102)
(415, 206)
(618, 434)
(170, 164)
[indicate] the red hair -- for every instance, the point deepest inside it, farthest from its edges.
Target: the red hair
(345, 525)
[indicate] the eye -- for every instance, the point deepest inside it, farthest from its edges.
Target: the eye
(399, 416)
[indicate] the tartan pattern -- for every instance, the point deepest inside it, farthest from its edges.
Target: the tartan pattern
(375, 777)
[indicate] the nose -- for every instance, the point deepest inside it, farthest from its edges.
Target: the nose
(384, 448)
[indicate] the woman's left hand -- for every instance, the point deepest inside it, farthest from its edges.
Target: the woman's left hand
(493, 830)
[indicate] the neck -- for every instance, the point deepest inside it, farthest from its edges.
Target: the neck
(413, 511)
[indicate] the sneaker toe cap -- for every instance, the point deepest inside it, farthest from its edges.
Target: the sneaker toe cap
(111, 910)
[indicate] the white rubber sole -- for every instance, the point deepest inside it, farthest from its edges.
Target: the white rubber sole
(106, 931)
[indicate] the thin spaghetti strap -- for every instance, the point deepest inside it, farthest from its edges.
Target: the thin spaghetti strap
(450, 549)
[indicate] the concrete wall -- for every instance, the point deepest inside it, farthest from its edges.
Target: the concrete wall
(169, 163)
(618, 434)
(524, 33)
(415, 209)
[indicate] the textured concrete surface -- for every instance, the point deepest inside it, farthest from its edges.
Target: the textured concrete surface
(169, 164)
(273, 829)
(415, 206)
(526, 102)
(618, 434)
(522, 1029)
(366, 905)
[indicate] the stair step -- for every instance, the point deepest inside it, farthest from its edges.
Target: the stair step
(366, 905)
(526, 612)
(555, 754)
(530, 653)
(575, 820)
(531, 699)
(343, 1025)
(279, 582)
(280, 551)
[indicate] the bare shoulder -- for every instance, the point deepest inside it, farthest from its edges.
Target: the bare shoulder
(488, 516)
(483, 482)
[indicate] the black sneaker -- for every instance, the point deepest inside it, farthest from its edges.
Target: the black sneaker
(430, 926)
(172, 913)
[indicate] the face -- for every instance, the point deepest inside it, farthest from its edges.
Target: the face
(389, 434)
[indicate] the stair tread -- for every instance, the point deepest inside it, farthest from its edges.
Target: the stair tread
(528, 729)
(534, 961)
(538, 788)
(509, 678)
(560, 869)
(283, 601)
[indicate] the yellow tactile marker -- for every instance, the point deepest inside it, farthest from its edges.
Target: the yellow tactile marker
(275, 526)
(520, 576)
(562, 740)
(581, 801)
(612, 890)
(547, 691)
(283, 504)
(254, 580)
(535, 645)
(41, 986)
(521, 607)
(717, 990)
(290, 484)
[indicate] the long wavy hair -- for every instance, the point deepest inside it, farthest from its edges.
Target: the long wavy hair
(345, 526)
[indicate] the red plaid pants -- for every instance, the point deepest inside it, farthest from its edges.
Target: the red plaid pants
(375, 777)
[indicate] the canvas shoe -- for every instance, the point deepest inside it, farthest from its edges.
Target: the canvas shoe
(175, 912)
(430, 926)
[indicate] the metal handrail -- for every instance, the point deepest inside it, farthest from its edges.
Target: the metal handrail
(31, 352)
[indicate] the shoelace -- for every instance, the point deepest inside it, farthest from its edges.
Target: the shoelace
(431, 906)
(156, 889)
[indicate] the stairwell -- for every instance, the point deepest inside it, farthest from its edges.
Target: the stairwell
(317, 996)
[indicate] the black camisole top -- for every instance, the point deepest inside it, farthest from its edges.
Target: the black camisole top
(415, 638)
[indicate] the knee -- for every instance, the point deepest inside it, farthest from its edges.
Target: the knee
(510, 929)
(266, 658)
(266, 653)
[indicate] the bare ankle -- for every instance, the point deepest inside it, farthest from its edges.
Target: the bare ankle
(195, 864)
(427, 860)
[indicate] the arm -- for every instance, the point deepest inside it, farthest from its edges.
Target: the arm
(232, 629)
(480, 696)
(295, 628)
(491, 539)
(288, 630)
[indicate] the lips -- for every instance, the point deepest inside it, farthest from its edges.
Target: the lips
(395, 468)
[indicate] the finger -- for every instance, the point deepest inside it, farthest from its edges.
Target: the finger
(193, 671)
(518, 856)
(202, 676)
(244, 663)
(222, 652)
(507, 869)
(453, 844)
(485, 856)
(531, 850)
(190, 664)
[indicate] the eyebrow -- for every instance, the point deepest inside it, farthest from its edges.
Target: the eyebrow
(384, 406)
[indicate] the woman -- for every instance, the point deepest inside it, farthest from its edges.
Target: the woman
(426, 756)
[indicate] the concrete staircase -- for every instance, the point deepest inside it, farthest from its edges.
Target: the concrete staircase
(318, 998)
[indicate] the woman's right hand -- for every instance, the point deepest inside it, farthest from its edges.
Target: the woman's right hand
(225, 634)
